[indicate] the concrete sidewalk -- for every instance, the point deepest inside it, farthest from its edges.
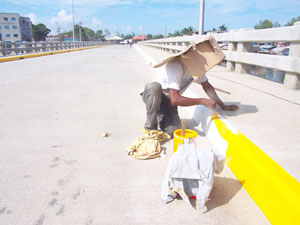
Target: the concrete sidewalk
(56, 169)
(268, 112)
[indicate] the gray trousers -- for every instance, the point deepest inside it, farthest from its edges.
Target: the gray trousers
(160, 111)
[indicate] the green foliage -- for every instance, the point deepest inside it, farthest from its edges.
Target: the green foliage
(87, 34)
(90, 35)
(184, 31)
(276, 24)
(187, 31)
(149, 36)
(40, 32)
(100, 35)
(128, 36)
(223, 27)
(106, 32)
(293, 20)
(158, 36)
(264, 24)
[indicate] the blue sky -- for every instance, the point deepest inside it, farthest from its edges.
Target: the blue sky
(130, 16)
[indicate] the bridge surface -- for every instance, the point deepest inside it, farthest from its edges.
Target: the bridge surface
(56, 169)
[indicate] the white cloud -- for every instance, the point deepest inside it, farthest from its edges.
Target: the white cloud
(63, 20)
(101, 3)
(33, 18)
(96, 24)
(128, 28)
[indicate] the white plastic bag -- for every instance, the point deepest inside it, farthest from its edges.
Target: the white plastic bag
(190, 172)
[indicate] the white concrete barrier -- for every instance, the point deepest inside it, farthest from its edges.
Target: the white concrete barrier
(241, 52)
(20, 48)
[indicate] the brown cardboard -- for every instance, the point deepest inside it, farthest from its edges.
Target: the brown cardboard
(198, 57)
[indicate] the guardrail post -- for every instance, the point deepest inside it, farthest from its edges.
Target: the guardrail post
(241, 67)
(231, 47)
(292, 80)
(14, 48)
(2, 52)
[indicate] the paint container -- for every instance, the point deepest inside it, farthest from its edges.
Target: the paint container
(188, 137)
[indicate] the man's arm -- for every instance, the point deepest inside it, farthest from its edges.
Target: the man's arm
(177, 99)
(210, 91)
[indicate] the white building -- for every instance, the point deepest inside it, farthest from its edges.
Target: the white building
(14, 27)
(53, 38)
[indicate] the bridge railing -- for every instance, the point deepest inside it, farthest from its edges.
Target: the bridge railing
(19, 48)
(241, 52)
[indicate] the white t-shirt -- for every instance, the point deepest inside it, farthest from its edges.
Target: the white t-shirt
(174, 75)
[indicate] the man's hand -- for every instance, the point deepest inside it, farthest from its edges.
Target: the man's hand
(230, 107)
(210, 91)
(211, 104)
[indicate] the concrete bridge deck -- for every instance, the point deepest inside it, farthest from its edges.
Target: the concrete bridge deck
(268, 111)
(56, 169)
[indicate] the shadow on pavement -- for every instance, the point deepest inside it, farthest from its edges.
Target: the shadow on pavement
(243, 109)
(223, 191)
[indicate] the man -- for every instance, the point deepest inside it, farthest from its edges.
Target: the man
(163, 95)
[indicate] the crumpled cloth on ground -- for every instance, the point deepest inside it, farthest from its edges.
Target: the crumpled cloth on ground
(147, 146)
(190, 172)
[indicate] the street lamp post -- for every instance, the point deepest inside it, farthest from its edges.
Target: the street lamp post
(80, 23)
(201, 17)
(143, 22)
(73, 21)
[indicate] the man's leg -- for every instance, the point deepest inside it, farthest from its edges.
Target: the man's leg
(152, 97)
(168, 117)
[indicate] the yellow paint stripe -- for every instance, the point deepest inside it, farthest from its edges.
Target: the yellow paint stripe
(274, 191)
(13, 58)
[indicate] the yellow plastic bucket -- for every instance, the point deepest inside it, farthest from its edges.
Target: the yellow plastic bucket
(188, 138)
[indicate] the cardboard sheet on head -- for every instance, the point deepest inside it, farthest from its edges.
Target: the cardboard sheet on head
(199, 57)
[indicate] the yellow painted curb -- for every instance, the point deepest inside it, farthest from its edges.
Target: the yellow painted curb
(274, 191)
(12, 58)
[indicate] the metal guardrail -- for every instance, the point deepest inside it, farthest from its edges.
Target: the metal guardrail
(241, 54)
(19, 48)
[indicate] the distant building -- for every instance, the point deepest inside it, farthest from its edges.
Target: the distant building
(14, 27)
(53, 38)
(139, 38)
(114, 39)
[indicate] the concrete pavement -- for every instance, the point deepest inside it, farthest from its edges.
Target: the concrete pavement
(267, 114)
(56, 169)
(263, 154)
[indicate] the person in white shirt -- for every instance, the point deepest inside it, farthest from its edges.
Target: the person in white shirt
(163, 95)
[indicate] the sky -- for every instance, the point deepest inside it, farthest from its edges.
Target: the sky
(155, 16)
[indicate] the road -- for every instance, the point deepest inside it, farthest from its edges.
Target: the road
(55, 168)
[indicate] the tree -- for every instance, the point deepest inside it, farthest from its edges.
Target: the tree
(158, 36)
(149, 36)
(293, 20)
(128, 36)
(77, 32)
(100, 35)
(276, 24)
(264, 24)
(40, 32)
(187, 31)
(223, 28)
(106, 32)
(90, 35)
(184, 31)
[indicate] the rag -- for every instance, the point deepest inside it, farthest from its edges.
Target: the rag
(147, 146)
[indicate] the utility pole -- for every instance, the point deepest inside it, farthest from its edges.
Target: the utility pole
(201, 17)
(80, 23)
(143, 21)
(73, 21)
